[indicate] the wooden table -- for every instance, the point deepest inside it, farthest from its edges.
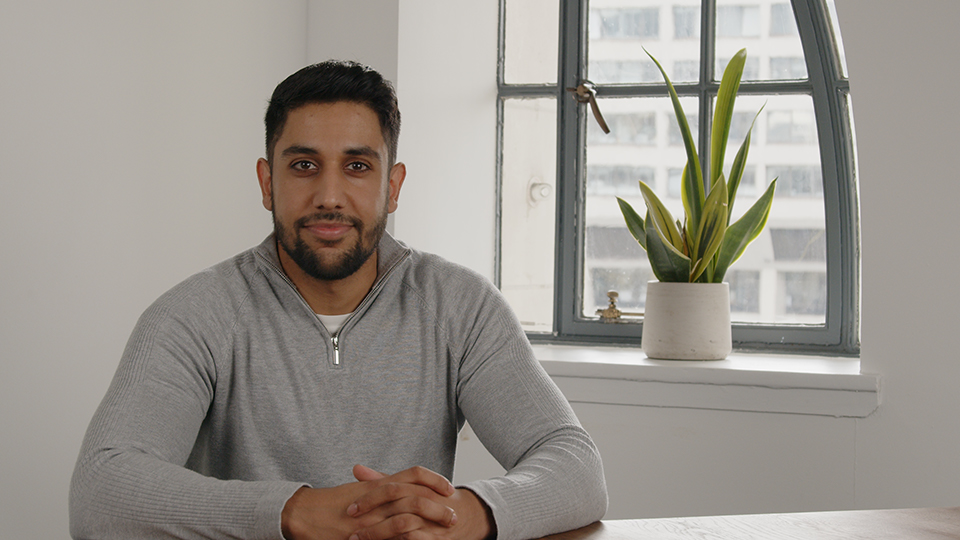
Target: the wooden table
(908, 524)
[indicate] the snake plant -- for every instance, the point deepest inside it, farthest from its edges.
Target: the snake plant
(705, 244)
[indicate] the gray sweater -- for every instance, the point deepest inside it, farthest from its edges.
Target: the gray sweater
(231, 395)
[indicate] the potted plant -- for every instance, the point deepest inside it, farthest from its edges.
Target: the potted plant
(687, 312)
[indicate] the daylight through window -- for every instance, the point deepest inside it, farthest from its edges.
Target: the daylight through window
(796, 286)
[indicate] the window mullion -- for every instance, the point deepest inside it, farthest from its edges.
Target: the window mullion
(572, 64)
(704, 92)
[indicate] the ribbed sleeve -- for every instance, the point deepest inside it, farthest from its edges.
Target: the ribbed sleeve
(554, 480)
(130, 480)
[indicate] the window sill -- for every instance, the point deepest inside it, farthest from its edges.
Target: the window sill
(821, 386)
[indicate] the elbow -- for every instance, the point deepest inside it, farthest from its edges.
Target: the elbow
(79, 506)
(90, 489)
(594, 485)
(603, 500)
(600, 496)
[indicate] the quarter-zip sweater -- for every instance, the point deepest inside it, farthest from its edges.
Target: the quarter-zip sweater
(231, 395)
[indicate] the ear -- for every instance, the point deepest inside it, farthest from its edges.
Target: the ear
(265, 177)
(397, 174)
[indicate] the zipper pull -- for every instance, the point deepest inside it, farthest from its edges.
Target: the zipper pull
(336, 348)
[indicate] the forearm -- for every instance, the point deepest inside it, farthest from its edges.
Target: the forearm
(558, 487)
(129, 494)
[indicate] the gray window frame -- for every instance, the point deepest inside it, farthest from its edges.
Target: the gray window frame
(839, 335)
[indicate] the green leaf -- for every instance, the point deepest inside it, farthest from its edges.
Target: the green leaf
(739, 164)
(634, 222)
(723, 112)
(694, 182)
(688, 194)
(662, 219)
(745, 230)
(712, 228)
(668, 264)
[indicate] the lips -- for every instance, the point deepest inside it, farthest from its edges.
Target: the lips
(329, 231)
(327, 228)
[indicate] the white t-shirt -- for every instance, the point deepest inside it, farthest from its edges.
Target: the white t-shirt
(333, 322)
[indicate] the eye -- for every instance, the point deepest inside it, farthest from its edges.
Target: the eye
(357, 166)
(303, 165)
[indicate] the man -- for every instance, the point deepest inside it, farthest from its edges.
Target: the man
(314, 386)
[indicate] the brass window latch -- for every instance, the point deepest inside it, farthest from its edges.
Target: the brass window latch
(586, 92)
(612, 313)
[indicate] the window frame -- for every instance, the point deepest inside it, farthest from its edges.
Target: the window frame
(829, 89)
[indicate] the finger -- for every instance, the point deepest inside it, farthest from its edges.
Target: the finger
(413, 482)
(429, 510)
(424, 477)
(385, 494)
(366, 474)
(404, 526)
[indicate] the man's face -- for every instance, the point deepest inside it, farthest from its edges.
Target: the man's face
(330, 188)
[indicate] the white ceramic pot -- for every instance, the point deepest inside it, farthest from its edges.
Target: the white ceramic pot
(687, 321)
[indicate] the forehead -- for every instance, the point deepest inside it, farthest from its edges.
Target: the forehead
(343, 123)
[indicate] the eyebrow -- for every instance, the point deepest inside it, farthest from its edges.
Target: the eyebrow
(295, 150)
(364, 151)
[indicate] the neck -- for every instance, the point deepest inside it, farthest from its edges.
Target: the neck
(331, 297)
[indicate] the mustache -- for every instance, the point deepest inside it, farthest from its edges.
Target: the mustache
(335, 217)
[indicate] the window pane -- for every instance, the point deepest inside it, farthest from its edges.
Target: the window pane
(800, 295)
(768, 30)
(640, 146)
(617, 180)
(782, 21)
(531, 32)
(832, 13)
(528, 179)
(784, 145)
(744, 293)
(686, 21)
(738, 21)
(618, 30)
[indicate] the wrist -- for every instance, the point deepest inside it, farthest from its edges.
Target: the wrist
(290, 524)
(480, 525)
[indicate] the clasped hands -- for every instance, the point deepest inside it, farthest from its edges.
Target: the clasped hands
(414, 504)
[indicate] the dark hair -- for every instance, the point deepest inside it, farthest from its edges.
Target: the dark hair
(329, 82)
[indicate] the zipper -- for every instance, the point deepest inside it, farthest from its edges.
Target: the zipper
(336, 348)
(335, 338)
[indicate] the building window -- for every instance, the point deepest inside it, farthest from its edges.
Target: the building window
(738, 21)
(686, 22)
(788, 67)
(796, 286)
(617, 180)
(782, 21)
(623, 71)
(625, 23)
(797, 180)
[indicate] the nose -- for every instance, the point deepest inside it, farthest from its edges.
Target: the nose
(328, 190)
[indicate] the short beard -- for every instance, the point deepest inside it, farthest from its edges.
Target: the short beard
(348, 263)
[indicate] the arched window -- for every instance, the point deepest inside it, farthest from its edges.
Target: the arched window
(562, 240)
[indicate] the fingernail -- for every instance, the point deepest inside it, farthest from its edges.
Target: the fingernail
(453, 520)
(354, 537)
(351, 510)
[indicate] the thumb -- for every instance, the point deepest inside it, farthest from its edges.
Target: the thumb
(366, 474)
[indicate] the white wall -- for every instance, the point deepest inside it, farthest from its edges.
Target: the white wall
(447, 66)
(359, 30)
(129, 135)
(907, 119)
